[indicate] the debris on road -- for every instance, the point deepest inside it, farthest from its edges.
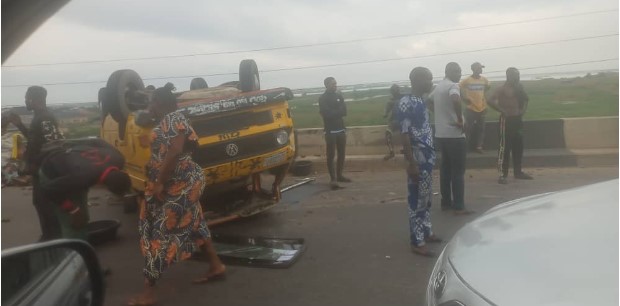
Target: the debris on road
(301, 182)
(391, 200)
(11, 175)
(102, 231)
(257, 251)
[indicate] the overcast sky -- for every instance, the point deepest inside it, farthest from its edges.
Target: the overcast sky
(114, 29)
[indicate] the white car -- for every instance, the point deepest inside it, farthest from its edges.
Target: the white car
(551, 249)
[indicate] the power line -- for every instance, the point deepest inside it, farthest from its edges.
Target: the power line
(486, 73)
(497, 76)
(345, 64)
(315, 44)
(549, 66)
(559, 65)
(438, 54)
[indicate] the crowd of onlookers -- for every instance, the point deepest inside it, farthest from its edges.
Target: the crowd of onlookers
(457, 130)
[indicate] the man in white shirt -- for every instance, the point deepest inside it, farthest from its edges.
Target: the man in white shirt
(450, 135)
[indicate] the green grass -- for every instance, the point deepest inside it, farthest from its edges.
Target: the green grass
(592, 96)
(83, 130)
(549, 99)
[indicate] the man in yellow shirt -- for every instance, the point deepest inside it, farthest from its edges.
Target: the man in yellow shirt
(473, 91)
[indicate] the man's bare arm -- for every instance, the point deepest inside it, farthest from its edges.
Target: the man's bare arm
(463, 95)
(493, 101)
(526, 101)
(458, 109)
(17, 122)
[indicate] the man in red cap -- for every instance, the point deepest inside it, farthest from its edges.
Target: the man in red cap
(69, 168)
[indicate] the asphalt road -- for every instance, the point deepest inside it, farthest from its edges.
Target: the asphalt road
(357, 241)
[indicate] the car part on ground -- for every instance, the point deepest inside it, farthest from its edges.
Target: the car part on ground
(302, 168)
(257, 251)
(300, 183)
(131, 202)
(102, 231)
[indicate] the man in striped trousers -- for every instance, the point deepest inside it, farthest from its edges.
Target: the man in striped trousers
(511, 101)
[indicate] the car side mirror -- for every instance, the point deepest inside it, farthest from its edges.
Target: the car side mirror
(59, 272)
(145, 119)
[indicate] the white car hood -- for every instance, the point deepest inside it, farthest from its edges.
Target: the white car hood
(557, 249)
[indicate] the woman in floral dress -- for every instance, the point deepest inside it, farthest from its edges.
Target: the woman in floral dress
(171, 222)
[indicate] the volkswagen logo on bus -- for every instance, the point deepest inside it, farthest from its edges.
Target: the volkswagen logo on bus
(232, 149)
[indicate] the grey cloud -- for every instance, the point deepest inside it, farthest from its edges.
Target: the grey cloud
(206, 26)
(244, 24)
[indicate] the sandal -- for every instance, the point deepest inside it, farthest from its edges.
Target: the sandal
(141, 301)
(423, 252)
(211, 277)
(434, 239)
(463, 212)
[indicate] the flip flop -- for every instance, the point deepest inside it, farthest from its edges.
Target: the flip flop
(434, 239)
(211, 278)
(336, 187)
(140, 301)
(428, 253)
(463, 212)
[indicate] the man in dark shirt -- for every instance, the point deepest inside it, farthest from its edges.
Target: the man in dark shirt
(333, 109)
(43, 128)
(69, 168)
(511, 101)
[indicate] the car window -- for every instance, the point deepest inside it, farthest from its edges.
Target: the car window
(23, 272)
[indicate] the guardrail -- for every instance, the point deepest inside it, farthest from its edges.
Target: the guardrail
(569, 133)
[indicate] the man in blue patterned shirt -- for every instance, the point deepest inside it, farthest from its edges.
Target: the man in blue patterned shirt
(417, 138)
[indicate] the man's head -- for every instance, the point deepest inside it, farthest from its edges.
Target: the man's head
(330, 84)
(118, 182)
(421, 81)
(35, 98)
(395, 91)
(476, 68)
(453, 72)
(512, 75)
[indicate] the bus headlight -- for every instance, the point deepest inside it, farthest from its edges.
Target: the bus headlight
(282, 137)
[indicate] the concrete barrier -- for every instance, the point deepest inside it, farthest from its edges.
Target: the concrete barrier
(361, 140)
(573, 133)
(591, 133)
